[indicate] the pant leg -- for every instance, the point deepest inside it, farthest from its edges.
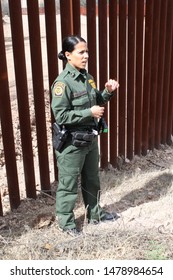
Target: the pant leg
(70, 163)
(91, 183)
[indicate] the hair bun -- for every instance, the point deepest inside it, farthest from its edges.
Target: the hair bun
(61, 56)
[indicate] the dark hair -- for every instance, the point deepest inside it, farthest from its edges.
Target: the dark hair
(68, 45)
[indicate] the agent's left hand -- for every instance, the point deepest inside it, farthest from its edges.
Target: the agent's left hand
(111, 85)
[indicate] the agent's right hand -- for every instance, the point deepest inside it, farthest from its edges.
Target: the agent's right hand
(97, 111)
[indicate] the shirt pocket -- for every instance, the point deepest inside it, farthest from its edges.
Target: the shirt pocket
(81, 102)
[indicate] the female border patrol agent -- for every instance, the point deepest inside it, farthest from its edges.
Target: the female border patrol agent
(76, 108)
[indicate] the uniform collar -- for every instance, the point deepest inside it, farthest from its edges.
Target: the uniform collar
(74, 72)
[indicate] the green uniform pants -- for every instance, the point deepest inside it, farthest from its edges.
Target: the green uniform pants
(72, 163)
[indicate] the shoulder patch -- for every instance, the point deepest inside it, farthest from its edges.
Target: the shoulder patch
(58, 89)
(92, 83)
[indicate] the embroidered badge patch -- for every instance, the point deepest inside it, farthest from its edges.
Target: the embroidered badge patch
(58, 89)
(92, 83)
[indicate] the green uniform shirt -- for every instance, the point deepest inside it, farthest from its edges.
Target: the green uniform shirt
(73, 94)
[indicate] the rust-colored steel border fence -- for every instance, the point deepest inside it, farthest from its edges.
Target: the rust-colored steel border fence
(131, 41)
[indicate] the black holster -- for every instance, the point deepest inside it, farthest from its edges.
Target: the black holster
(59, 137)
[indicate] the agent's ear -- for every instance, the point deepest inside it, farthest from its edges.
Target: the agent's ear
(67, 54)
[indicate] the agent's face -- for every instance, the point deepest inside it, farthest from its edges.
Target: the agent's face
(78, 58)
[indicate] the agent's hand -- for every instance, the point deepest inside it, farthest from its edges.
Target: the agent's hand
(97, 111)
(111, 85)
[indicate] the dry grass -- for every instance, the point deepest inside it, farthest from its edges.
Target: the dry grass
(141, 192)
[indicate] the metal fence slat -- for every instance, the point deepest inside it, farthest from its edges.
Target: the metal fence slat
(113, 73)
(91, 37)
(147, 73)
(52, 54)
(76, 17)
(139, 75)
(38, 91)
(122, 77)
(154, 72)
(131, 77)
(7, 128)
(103, 63)
(22, 95)
(66, 12)
(167, 68)
(162, 36)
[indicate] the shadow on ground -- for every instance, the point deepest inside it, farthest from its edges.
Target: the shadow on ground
(151, 191)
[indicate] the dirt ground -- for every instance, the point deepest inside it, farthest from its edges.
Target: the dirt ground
(141, 191)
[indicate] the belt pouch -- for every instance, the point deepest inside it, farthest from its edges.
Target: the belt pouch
(82, 138)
